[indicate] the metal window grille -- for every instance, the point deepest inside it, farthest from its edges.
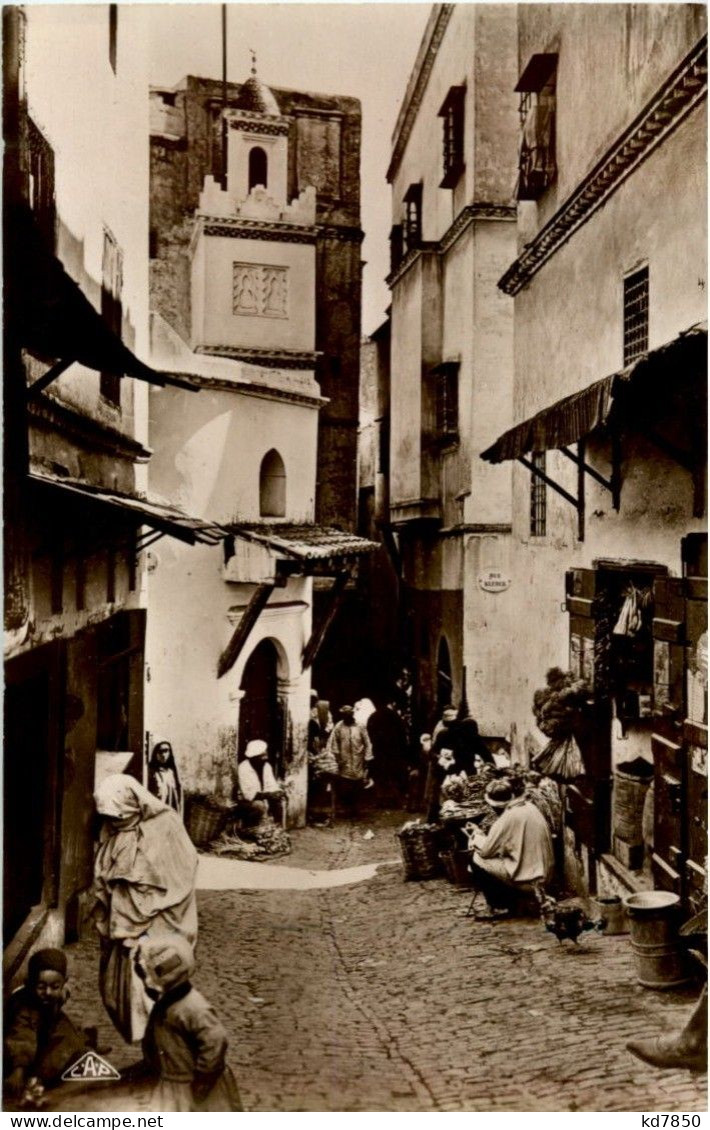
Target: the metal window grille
(452, 113)
(413, 217)
(447, 400)
(538, 498)
(635, 315)
(537, 89)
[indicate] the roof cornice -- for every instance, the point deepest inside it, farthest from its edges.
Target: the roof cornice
(467, 216)
(671, 103)
(428, 50)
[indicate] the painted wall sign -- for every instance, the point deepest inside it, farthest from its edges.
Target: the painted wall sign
(493, 581)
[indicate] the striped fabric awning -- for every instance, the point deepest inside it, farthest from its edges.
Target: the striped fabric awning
(632, 396)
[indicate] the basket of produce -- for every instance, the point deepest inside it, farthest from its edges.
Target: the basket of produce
(420, 846)
(205, 817)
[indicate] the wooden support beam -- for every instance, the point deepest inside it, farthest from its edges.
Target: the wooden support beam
(241, 633)
(337, 595)
(581, 466)
(606, 483)
(47, 378)
(546, 479)
(149, 539)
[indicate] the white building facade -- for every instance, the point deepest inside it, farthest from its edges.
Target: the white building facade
(228, 647)
(609, 291)
(453, 178)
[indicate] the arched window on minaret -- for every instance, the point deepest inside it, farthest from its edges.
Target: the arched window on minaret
(272, 486)
(258, 167)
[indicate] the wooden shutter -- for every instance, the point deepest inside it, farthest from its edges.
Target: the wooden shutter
(589, 800)
(669, 787)
(695, 728)
(667, 739)
(668, 640)
(581, 592)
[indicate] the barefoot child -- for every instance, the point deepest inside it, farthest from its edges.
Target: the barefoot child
(184, 1044)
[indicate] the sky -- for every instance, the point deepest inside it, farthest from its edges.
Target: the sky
(366, 51)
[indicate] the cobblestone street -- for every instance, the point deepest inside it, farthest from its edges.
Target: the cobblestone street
(382, 996)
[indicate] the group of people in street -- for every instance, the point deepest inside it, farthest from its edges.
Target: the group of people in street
(145, 913)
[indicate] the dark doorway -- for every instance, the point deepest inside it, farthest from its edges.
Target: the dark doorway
(444, 682)
(260, 714)
(32, 735)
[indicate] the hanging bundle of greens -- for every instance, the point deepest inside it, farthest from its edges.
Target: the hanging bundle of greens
(558, 709)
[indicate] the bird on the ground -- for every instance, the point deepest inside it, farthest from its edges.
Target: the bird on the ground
(567, 920)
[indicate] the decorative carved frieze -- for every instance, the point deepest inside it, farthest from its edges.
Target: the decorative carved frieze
(685, 88)
(260, 290)
(259, 229)
(257, 125)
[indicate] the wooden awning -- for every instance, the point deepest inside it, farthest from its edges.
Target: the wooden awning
(52, 318)
(662, 396)
(304, 546)
(159, 516)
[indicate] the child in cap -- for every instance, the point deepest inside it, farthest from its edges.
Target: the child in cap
(184, 1045)
(40, 1041)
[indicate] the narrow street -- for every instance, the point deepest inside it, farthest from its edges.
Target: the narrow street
(380, 995)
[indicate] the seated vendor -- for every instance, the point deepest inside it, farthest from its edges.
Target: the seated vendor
(259, 791)
(515, 856)
(39, 1041)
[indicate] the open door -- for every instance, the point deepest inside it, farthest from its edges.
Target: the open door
(695, 724)
(589, 800)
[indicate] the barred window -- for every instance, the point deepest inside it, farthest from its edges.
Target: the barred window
(413, 217)
(635, 315)
(447, 400)
(537, 89)
(538, 498)
(452, 112)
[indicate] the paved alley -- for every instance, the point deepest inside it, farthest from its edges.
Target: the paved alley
(382, 996)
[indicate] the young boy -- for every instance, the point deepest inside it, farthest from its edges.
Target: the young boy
(40, 1041)
(184, 1045)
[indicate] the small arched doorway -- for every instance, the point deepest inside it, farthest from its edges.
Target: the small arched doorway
(258, 167)
(260, 712)
(444, 682)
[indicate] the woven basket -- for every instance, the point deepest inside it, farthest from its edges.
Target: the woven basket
(456, 867)
(420, 847)
(204, 819)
